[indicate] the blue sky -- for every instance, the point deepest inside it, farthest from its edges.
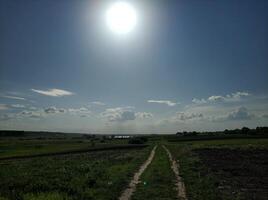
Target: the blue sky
(187, 65)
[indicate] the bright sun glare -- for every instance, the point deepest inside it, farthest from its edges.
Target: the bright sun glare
(121, 17)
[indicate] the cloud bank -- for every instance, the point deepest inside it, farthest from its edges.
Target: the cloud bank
(181, 116)
(123, 114)
(240, 114)
(119, 114)
(234, 97)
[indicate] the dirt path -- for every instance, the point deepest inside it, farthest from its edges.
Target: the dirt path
(126, 195)
(179, 182)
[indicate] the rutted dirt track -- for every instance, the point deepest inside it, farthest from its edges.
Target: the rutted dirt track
(179, 184)
(126, 195)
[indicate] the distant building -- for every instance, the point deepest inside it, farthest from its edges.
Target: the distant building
(122, 136)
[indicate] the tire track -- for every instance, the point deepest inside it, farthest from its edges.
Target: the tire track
(179, 182)
(127, 193)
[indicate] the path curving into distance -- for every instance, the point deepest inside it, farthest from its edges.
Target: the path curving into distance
(127, 193)
(179, 182)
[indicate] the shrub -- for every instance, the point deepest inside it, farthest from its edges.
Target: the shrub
(135, 141)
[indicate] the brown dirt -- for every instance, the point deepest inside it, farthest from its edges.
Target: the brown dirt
(126, 195)
(179, 182)
(241, 174)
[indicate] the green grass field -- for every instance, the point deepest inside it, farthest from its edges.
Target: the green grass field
(105, 174)
(96, 175)
(158, 180)
(14, 147)
(230, 143)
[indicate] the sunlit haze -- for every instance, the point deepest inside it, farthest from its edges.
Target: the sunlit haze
(121, 17)
(125, 66)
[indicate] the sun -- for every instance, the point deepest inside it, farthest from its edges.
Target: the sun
(121, 17)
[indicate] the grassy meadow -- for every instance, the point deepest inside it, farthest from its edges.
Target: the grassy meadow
(52, 169)
(96, 175)
(158, 180)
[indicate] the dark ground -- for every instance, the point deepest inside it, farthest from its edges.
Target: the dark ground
(241, 174)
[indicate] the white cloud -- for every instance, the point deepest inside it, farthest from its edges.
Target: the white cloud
(167, 102)
(18, 106)
(143, 115)
(13, 97)
(22, 114)
(37, 113)
(119, 114)
(51, 110)
(240, 114)
(182, 116)
(3, 107)
(127, 115)
(53, 92)
(98, 103)
(234, 97)
(74, 110)
(31, 114)
(229, 97)
(238, 95)
(123, 114)
(216, 98)
(62, 110)
(82, 112)
(199, 101)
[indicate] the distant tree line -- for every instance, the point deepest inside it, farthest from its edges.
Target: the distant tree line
(242, 131)
(138, 140)
(32, 134)
(11, 133)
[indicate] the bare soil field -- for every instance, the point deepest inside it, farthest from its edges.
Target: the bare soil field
(242, 173)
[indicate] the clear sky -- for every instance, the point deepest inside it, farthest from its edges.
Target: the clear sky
(187, 65)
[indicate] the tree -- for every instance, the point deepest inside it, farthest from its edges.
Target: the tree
(245, 130)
